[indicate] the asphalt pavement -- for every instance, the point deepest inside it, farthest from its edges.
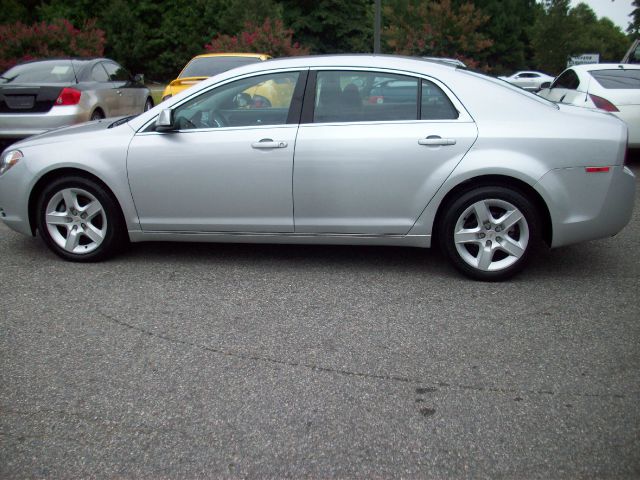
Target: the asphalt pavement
(208, 361)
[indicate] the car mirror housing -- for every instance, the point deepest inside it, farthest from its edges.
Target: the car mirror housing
(165, 120)
(545, 85)
(138, 78)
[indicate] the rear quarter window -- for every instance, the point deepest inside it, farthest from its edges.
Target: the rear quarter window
(617, 79)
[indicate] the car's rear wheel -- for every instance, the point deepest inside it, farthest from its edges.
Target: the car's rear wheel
(489, 233)
(97, 115)
(79, 220)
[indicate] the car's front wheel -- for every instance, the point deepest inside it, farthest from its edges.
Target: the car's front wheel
(79, 220)
(489, 233)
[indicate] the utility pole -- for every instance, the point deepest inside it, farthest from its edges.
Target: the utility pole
(376, 29)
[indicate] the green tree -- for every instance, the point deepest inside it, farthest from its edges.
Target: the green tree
(331, 26)
(634, 26)
(509, 27)
(561, 31)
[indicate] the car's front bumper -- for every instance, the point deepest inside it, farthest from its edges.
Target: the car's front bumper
(21, 125)
(586, 206)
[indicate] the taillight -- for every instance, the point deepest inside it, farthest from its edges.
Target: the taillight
(597, 169)
(376, 99)
(603, 103)
(68, 96)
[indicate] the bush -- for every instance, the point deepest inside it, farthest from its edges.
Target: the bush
(271, 38)
(20, 42)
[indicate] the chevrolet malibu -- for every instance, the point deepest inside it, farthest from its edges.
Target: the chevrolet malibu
(484, 169)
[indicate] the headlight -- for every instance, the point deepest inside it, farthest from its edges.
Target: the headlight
(9, 159)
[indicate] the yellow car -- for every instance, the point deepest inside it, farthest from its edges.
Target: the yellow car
(207, 65)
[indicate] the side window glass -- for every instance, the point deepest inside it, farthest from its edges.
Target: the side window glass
(568, 80)
(435, 104)
(255, 101)
(346, 96)
(116, 72)
(98, 74)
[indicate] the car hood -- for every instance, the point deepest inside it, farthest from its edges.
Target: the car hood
(69, 133)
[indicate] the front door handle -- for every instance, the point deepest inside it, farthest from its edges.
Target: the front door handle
(434, 140)
(268, 143)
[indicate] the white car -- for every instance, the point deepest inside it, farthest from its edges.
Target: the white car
(528, 80)
(611, 87)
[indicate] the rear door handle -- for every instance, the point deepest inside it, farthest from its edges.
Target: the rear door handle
(434, 140)
(268, 143)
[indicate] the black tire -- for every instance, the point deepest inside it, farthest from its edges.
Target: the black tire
(108, 223)
(486, 251)
(97, 115)
(148, 105)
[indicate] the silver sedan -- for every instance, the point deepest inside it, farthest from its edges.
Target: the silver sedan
(41, 95)
(375, 150)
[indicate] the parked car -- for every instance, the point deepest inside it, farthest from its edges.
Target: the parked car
(40, 95)
(528, 80)
(612, 87)
(207, 65)
(485, 169)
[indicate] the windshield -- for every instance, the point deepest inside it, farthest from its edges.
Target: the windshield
(47, 71)
(210, 66)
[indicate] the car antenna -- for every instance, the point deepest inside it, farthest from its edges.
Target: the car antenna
(74, 70)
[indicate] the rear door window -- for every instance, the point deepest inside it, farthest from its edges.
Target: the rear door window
(354, 96)
(617, 79)
(435, 104)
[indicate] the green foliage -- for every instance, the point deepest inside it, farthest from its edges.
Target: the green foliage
(509, 27)
(436, 28)
(20, 42)
(634, 26)
(561, 31)
(270, 37)
(159, 37)
(331, 26)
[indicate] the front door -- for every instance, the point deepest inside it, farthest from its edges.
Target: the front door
(227, 166)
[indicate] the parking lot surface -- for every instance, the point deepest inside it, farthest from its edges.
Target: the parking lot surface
(206, 361)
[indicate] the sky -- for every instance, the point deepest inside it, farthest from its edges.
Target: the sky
(617, 10)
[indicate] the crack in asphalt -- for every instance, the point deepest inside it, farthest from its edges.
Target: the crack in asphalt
(349, 373)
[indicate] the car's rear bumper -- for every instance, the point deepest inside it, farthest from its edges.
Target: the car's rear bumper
(21, 125)
(586, 206)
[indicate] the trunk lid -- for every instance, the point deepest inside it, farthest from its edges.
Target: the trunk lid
(28, 98)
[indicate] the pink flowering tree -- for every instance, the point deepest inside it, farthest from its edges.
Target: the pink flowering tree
(20, 42)
(271, 38)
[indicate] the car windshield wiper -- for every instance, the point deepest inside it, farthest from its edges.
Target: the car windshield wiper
(122, 120)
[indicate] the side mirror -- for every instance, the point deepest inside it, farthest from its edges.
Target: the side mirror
(545, 85)
(164, 123)
(138, 78)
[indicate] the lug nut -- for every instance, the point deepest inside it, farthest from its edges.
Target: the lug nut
(487, 226)
(481, 235)
(498, 239)
(84, 215)
(498, 228)
(83, 226)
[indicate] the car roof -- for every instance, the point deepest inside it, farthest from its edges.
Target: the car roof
(604, 66)
(261, 56)
(399, 62)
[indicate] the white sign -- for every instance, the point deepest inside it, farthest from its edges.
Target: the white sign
(583, 59)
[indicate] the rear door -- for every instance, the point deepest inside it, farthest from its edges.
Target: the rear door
(122, 86)
(368, 159)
